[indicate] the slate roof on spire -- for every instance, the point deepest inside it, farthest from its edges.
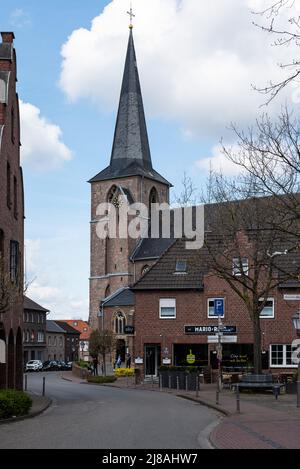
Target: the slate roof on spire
(131, 152)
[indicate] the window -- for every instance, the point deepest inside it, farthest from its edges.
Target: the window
(281, 356)
(268, 311)
(60, 342)
(211, 307)
(27, 336)
(8, 188)
(14, 260)
(41, 337)
(32, 336)
(240, 266)
(119, 323)
(75, 323)
(181, 267)
(49, 340)
(167, 308)
(145, 269)
(15, 197)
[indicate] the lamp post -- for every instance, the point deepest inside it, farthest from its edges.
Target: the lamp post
(296, 322)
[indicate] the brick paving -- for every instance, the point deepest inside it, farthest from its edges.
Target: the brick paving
(263, 421)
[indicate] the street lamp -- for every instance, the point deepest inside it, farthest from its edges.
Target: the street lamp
(296, 322)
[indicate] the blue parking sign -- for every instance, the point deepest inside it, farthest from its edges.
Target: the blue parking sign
(219, 307)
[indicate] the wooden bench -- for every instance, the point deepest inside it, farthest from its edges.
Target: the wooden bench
(265, 381)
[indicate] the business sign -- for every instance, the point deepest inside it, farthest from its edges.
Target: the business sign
(219, 307)
(291, 297)
(225, 339)
(139, 361)
(167, 361)
(128, 330)
(199, 330)
(191, 358)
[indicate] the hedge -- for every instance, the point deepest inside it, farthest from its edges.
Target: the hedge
(14, 403)
(101, 379)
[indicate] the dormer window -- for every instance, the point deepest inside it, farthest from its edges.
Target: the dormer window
(240, 266)
(181, 267)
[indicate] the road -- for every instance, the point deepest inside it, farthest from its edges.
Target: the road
(97, 417)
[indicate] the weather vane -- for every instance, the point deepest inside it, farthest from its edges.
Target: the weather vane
(130, 13)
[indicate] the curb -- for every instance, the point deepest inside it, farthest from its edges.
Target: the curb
(206, 403)
(28, 416)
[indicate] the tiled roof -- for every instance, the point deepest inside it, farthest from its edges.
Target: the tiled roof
(122, 297)
(51, 326)
(30, 304)
(163, 276)
(67, 328)
(81, 326)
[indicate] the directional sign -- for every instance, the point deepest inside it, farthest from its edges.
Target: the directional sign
(225, 339)
(291, 297)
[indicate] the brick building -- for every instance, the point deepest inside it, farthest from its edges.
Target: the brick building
(11, 217)
(85, 332)
(34, 332)
(55, 339)
(71, 341)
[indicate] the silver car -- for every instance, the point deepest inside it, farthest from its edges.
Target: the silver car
(34, 365)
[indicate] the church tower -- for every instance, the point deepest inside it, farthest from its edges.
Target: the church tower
(129, 173)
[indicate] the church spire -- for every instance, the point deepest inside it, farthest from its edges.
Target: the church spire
(131, 143)
(130, 151)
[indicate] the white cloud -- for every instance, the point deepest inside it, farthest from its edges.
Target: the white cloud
(45, 277)
(42, 146)
(20, 18)
(219, 162)
(197, 61)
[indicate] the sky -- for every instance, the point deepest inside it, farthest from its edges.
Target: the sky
(197, 62)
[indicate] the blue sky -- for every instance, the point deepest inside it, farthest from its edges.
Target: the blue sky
(195, 78)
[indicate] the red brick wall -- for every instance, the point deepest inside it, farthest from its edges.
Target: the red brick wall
(13, 228)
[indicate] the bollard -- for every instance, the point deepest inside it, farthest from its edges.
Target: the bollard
(177, 383)
(217, 397)
(127, 380)
(186, 383)
(25, 384)
(160, 382)
(238, 409)
(169, 382)
(197, 385)
(44, 383)
(152, 381)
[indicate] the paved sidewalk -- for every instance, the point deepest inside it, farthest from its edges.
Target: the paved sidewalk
(263, 421)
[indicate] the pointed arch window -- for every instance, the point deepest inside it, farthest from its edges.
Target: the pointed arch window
(119, 323)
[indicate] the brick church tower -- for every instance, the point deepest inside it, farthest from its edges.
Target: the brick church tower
(129, 173)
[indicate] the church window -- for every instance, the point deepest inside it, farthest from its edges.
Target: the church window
(119, 323)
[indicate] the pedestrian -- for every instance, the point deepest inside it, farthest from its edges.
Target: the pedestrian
(128, 362)
(95, 366)
(119, 361)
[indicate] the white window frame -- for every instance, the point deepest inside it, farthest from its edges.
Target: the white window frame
(273, 315)
(236, 268)
(167, 303)
(284, 365)
(213, 299)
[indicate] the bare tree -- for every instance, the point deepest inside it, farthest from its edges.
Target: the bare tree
(285, 35)
(244, 249)
(188, 194)
(101, 343)
(10, 289)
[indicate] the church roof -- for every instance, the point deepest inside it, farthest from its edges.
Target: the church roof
(131, 151)
(122, 297)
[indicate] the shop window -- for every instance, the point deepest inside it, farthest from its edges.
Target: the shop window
(167, 308)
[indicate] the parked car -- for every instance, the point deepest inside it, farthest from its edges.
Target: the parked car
(34, 365)
(69, 365)
(50, 365)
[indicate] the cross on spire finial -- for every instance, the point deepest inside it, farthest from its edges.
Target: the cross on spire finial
(130, 13)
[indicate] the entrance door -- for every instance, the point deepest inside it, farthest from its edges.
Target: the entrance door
(152, 354)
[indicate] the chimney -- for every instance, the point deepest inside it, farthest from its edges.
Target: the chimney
(8, 37)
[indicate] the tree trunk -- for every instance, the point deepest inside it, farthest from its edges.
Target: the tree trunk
(256, 343)
(104, 363)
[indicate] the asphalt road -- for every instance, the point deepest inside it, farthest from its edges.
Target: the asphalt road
(96, 417)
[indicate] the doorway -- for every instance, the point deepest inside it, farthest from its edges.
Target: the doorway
(152, 359)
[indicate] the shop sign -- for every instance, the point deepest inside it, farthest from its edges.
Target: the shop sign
(166, 361)
(129, 329)
(191, 358)
(209, 329)
(225, 339)
(291, 297)
(139, 361)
